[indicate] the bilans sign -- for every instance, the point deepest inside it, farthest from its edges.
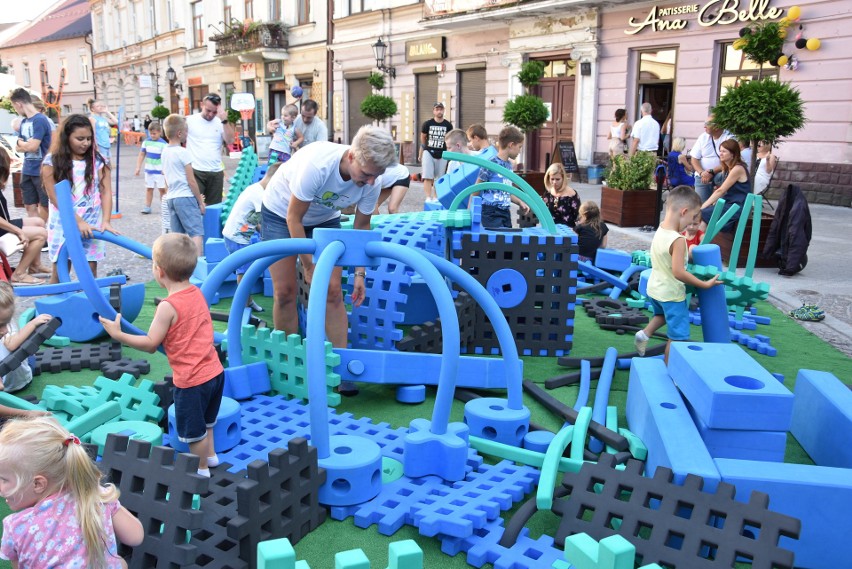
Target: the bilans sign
(714, 12)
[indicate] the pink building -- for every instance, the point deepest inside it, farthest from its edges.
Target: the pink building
(678, 57)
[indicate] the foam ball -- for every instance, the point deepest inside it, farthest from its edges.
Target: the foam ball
(297, 91)
(794, 13)
(801, 43)
(813, 44)
(782, 61)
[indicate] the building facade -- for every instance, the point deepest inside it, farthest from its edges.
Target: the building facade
(52, 56)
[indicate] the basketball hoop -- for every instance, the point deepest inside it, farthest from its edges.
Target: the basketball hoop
(246, 114)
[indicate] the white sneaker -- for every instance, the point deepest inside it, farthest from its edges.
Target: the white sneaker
(640, 341)
(205, 472)
(213, 461)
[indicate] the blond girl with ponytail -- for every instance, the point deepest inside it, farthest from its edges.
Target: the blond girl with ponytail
(63, 516)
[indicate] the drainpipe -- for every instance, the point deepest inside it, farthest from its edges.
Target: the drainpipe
(92, 57)
(329, 69)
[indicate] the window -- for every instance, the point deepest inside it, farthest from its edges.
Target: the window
(274, 9)
(249, 9)
(657, 72)
(735, 68)
(134, 22)
(101, 32)
(226, 13)
(561, 68)
(169, 13)
(84, 69)
(152, 17)
(27, 81)
(63, 64)
(118, 36)
(657, 65)
(304, 15)
(66, 109)
(197, 24)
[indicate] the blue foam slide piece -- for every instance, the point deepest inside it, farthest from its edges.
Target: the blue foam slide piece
(819, 496)
(767, 446)
(450, 184)
(658, 416)
(602, 394)
(728, 388)
(613, 259)
(822, 418)
(398, 368)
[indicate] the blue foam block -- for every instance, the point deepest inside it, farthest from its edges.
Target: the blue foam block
(728, 388)
(448, 186)
(613, 259)
(822, 418)
(420, 305)
(819, 496)
(768, 446)
(226, 433)
(212, 223)
(215, 250)
(244, 381)
(657, 415)
(373, 366)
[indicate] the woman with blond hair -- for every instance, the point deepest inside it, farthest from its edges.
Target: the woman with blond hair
(561, 199)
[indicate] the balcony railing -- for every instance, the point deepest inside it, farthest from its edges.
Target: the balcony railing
(261, 36)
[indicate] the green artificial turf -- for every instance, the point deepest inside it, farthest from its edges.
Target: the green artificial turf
(797, 349)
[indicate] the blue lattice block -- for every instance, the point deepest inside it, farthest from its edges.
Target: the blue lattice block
(393, 507)
(484, 547)
(285, 356)
(533, 277)
(476, 500)
(728, 389)
(136, 397)
(270, 422)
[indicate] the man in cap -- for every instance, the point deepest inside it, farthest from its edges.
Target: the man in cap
(432, 141)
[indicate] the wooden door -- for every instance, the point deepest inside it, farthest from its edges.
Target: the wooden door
(559, 94)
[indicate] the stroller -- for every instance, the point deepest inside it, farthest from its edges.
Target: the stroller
(790, 232)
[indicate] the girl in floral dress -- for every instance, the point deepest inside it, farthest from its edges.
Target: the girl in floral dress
(561, 199)
(73, 157)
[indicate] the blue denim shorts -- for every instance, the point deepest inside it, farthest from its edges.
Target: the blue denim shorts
(185, 216)
(677, 318)
(233, 247)
(197, 407)
(273, 226)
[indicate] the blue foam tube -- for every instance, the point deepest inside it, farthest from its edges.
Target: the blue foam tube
(236, 318)
(625, 277)
(74, 243)
(315, 347)
(505, 339)
(585, 384)
(58, 288)
(714, 306)
(449, 325)
(602, 394)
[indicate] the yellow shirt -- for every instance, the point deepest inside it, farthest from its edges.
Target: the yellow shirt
(662, 285)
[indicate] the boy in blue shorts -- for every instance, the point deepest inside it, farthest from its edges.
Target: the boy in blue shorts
(186, 204)
(669, 277)
(496, 204)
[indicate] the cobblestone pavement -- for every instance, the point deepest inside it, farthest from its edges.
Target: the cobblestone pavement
(836, 329)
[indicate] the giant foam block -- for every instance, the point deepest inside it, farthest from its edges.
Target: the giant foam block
(658, 416)
(746, 445)
(819, 496)
(822, 418)
(728, 389)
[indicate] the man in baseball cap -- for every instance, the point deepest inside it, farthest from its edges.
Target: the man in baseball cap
(432, 135)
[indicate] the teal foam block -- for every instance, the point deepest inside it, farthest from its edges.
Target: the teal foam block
(658, 416)
(278, 554)
(416, 368)
(768, 446)
(821, 497)
(822, 418)
(728, 389)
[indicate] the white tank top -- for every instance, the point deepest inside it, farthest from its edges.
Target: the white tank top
(616, 131)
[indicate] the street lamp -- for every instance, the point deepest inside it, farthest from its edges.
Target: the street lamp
(379, 51)
(171, 74)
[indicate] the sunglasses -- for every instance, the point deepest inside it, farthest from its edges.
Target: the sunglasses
(215, 99)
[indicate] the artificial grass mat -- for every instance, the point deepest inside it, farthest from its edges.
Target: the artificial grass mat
(797, 349)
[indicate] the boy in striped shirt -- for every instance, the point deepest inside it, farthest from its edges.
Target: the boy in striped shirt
(150, 154)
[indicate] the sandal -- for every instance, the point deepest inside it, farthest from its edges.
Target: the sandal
(808, 313)
(38, 271)
(26, 280)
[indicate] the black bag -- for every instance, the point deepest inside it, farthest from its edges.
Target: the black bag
(790, 232)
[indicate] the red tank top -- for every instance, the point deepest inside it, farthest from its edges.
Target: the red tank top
(189, 342)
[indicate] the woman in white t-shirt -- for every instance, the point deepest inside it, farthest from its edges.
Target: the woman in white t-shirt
(308, 192)
(765, 167)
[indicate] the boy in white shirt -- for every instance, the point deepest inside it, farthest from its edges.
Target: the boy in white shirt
(186, 205)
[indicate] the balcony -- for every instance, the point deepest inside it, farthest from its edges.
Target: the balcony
(251, 43)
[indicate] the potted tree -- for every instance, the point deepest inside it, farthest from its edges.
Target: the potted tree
(626, 196)
(375, 106)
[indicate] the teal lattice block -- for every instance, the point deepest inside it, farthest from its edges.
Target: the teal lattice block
(739, 291)
(285, 358)
(136, 397)
(613, 552)
(642, 258)
(68, 400)
(241, 179)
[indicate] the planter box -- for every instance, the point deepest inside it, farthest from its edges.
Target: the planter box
(18, 196)
(725, 240)
(628, 209)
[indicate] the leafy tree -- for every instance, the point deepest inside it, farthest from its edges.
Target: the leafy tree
(527, 112)
(376, 81)
(159, 112)
(378, 107)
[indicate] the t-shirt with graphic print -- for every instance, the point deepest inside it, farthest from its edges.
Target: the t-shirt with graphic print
(496, 198)
(436, 133)
(313, 175)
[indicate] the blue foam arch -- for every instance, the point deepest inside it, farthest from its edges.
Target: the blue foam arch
(74, 243)
(602, 394)
(449, 325)
(585, 384)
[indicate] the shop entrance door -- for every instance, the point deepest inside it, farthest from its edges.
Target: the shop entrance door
(558, 94)
(660, 95)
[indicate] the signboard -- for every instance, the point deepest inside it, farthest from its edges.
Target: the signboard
(273, 70)
(194, 81)
(426, 49)
(144, 81)
(565, 151)
(247, 71)
(714, 12)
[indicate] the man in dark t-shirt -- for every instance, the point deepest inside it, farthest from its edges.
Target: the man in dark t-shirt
(432, 146)
(34, 141)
